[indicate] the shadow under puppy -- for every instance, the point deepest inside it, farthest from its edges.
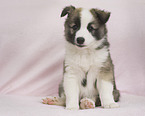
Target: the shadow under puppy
(88, 70)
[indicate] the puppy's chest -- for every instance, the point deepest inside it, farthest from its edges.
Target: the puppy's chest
(86, 60)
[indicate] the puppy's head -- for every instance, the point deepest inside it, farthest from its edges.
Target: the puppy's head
(84, 26)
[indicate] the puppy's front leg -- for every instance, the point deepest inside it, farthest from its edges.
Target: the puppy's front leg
(105, 84)
(106, 94)
(105, 88)
(71, 89)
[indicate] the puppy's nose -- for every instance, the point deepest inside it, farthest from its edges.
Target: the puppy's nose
(80, 40)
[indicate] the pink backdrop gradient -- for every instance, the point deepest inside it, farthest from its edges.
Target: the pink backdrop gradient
(32, 44)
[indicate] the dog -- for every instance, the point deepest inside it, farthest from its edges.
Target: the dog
(88, 69)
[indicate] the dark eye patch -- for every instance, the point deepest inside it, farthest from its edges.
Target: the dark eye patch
(74, 27)
(91, 27)
(97, 31)
(75, 23)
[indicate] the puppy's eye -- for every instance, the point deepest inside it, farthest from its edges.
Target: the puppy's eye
(90, 28)
(74, 27)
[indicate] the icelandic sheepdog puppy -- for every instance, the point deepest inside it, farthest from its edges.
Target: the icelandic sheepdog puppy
(88, 69)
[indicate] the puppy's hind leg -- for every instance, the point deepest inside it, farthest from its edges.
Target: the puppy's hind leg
(54, 101)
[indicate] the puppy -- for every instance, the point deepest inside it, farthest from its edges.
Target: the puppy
(88, 69)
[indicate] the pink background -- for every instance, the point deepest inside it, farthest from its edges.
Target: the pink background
(32, 44)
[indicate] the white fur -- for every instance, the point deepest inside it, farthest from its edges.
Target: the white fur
(71, 91)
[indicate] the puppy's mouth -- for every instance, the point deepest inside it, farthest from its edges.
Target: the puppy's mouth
(80, 45)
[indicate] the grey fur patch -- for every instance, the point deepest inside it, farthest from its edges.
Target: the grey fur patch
(95, 84)
(61, 90)
(98, 101)
(67, 11)
(99, 24)
(108, 66)
(64, 67)
(116, 95)
(102, 15)
(72, 25)
(84, 81)
(105, 43)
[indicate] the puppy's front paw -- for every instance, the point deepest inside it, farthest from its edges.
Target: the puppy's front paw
(111, 105)
(87, 103)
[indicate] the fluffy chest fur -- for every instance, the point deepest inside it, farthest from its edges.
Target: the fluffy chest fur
(85, 58)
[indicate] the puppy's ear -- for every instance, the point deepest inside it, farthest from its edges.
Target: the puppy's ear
(102, 15)
(67, 10)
